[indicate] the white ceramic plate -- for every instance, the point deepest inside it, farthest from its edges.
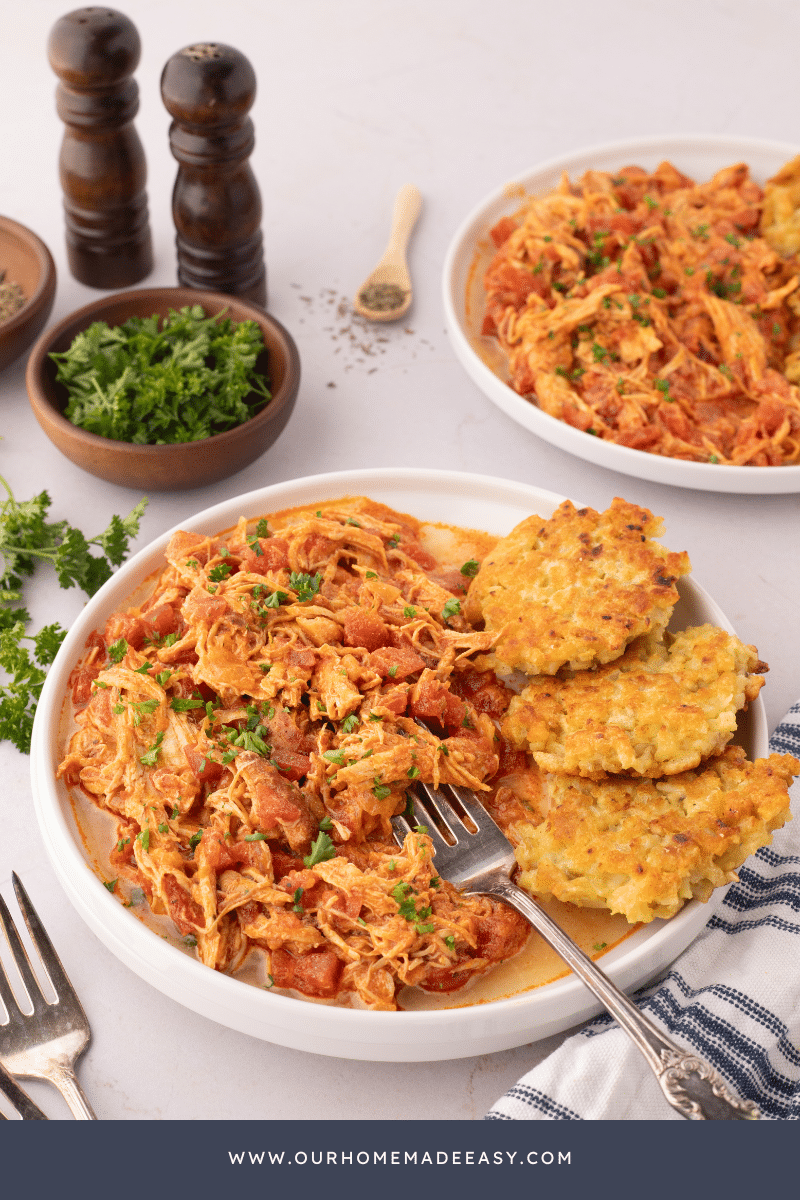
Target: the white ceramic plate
(472, 501)
(469, 255)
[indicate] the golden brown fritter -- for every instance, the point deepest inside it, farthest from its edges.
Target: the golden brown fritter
(576, 589)
(780, 216)
(643, 847)
(657, 710)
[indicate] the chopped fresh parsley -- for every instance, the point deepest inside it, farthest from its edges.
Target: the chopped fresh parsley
(219, 573)
(154, 382)
(150, 757)
(305, 586)
(322, 848)
(470, 568)
(117, 650)
(182, 704)
(451, 609)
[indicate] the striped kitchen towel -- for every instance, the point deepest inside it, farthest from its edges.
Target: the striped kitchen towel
(733, 997)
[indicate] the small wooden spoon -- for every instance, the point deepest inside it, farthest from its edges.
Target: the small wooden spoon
(385, 295)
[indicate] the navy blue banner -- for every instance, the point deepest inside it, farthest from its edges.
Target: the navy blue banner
(394, 1159)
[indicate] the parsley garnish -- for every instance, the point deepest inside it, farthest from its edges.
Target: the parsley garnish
(150, 757)
(193, 377)
(117, 650)
(179, 704)
(219, 573)
(451, 609)
(322, 848)
(26, 539)
(470, 568)
(305, 586)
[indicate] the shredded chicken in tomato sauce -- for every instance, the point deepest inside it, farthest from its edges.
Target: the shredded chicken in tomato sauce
(254, 726)
(648, 310)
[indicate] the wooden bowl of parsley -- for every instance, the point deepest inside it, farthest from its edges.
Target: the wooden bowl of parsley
(164, 389)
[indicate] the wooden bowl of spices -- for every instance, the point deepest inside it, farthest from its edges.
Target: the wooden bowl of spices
(27, 289)
(200, 399)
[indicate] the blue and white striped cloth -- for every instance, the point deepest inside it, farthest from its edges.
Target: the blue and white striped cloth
(733, 996)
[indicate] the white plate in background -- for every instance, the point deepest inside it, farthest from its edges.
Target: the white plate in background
(471, 251)
(472, 501)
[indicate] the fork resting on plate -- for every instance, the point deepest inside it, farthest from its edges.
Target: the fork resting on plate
(479, 860)
(46, 1043)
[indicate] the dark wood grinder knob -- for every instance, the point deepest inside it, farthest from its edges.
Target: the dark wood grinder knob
(94, 52)
(208, 89)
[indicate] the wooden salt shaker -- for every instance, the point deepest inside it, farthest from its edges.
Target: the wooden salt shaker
(94, 52)
(209, 89)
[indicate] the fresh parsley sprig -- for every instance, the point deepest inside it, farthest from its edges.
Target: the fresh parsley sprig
(28, 538)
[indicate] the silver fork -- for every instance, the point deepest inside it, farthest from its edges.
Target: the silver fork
(47, 1043)
(19, 1098)
(479, 861)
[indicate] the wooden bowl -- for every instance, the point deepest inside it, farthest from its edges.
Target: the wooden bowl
(184, 465)
(26, 261)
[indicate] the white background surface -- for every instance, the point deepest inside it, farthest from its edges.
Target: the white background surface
(355, 99)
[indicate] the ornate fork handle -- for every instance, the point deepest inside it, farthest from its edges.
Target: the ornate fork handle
(690, 1085)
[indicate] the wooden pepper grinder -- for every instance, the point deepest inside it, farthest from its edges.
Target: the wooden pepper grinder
(94, 52)
(209, 89)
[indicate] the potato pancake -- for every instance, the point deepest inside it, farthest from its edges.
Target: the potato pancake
(576, 589)
(657, 710)
(643, 847)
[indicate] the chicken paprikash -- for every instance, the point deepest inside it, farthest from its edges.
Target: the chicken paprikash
(657, 313)
(253, 726)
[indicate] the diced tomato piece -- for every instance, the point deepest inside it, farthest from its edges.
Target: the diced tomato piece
(160, 621)
(432, 700)
(444, 979)
(317, 973)
(396, 662)
(123, 625)
(185, 912)
(365, 628)
(202, 767)
(482, 688)
(500, 232)
(274, 556)
(81, 681)
(293, 766)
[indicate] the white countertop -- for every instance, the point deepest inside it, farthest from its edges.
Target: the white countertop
(355, 99)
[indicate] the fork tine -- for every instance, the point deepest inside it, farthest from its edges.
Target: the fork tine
(64, 990)
(402, 826)
(20, 956)
(438, 800)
